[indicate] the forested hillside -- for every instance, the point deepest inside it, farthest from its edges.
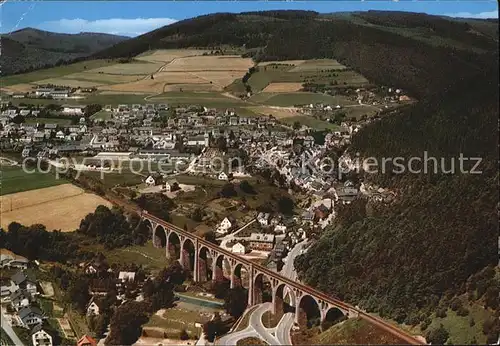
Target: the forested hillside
(30, 49)
(410, 259)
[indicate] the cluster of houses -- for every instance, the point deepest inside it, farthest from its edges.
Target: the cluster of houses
(191, 137)
(271, 233)
(20, 292)
(104, 280)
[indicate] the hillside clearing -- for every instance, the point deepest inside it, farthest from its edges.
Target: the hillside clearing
(209, 63)
(132, 68)
(311, 122)
(53, 72)
(106, 78)
(278, 112)
(282, 87)
(318, 64)
(299, 98)
(167, 55)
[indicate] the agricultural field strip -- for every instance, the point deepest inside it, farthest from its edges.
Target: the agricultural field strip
(318, 64)
(164, 75)
(39, 203)
(39, 196)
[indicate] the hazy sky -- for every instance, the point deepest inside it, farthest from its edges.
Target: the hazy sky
(132, 18)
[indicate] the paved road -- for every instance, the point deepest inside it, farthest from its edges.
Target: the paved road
(283, 329)
(254, 329)
(284, 326)
(256, 322)
(10, 332)
(288, 269)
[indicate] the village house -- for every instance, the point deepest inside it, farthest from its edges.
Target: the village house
(29, 128)
(43, 92)
(94, 307)
(164, 144)
(125, 277)
(347, 194)
(7, 287)
(321, 212)
(307, 215)
(225, 226)
(263, 219)
(25, 282)
(150, 181)
(20, 299)
(159, 154)
(280, 228)
(60, 135)
(202, 140)
(261, 241)
(38, 137)
(60, 94)
(40, 336)
(101, 287)
(50, 127)
(222, 176)
(239, 248)
(171, 185)
(8, 259)
(280, 250)
(72, 110)
(94, 267)
(24, 112)
(86, 340)
(31, 316)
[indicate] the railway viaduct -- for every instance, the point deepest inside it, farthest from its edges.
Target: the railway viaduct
(208, 261)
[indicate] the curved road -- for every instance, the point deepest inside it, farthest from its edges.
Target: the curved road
(254, 329)
(283, 329)
(284, 326)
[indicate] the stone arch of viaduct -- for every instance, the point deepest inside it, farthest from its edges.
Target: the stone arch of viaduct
(207, 260)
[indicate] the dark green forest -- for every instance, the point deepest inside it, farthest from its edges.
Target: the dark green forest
(30, 49)
(410, 258)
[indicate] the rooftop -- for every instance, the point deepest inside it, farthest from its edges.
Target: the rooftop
(262, 237)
